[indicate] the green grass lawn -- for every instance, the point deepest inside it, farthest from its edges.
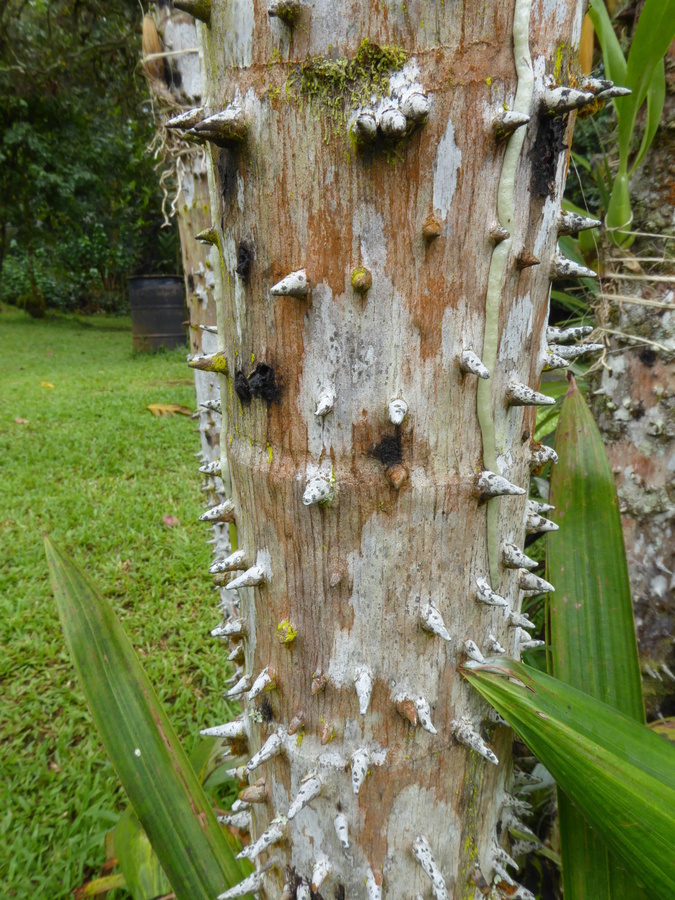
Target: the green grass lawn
(96, 470)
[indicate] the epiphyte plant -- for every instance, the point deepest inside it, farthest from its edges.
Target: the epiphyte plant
(408, 254)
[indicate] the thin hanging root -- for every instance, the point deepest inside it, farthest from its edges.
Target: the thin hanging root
(424, 856)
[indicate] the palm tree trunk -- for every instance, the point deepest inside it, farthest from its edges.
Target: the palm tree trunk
(356, 430)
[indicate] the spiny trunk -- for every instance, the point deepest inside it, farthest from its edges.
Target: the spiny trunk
(384, 242)
(176, 84)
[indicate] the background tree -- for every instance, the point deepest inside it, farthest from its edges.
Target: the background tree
(399, 221)
(79, 202)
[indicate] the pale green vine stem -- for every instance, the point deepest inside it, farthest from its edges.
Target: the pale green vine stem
(523, 102)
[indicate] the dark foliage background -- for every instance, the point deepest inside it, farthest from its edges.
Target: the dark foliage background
(80, 206)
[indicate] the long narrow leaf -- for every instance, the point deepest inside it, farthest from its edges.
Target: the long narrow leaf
(593, 644)
(615, 64)
(656, 98)
(617, 772)
(592, 634)
(143, 747)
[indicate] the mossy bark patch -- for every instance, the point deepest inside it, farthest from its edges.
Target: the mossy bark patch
(334, 86)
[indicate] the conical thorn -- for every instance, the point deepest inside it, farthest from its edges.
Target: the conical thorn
(521, 395)
(424, 856)
(562, 267)
(309, 790)
(492, 485)
(293, 285)
(266, 681)
(433, 621)
(466, 734)
(514, 558)
(471, 364)
(363, 682)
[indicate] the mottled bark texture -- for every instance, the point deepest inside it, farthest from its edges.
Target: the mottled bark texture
(361, 526)
(635, 404)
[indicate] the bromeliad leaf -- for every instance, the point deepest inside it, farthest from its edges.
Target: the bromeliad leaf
(592, 634)
(143, 747)
(617, 772)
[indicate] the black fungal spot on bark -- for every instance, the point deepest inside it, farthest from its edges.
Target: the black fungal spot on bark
(263, 383)
(266, 711)
(245, 256)
(648, 357)
(191, 283)
(389, 451)
(242, 390)
(548, 145)
(340, 892)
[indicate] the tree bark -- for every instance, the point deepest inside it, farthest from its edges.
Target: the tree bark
(176, 83)
(395, 241)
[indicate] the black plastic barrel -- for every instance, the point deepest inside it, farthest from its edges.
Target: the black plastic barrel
(157, 311)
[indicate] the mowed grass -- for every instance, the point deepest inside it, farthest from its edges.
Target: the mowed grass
(97, 471)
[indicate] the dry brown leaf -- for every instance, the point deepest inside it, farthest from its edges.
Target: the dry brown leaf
(169, 409)
(171, 521)
(20, 421)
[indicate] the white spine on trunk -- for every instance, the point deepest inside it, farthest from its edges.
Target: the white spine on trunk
(424, 856)
(363, 682)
